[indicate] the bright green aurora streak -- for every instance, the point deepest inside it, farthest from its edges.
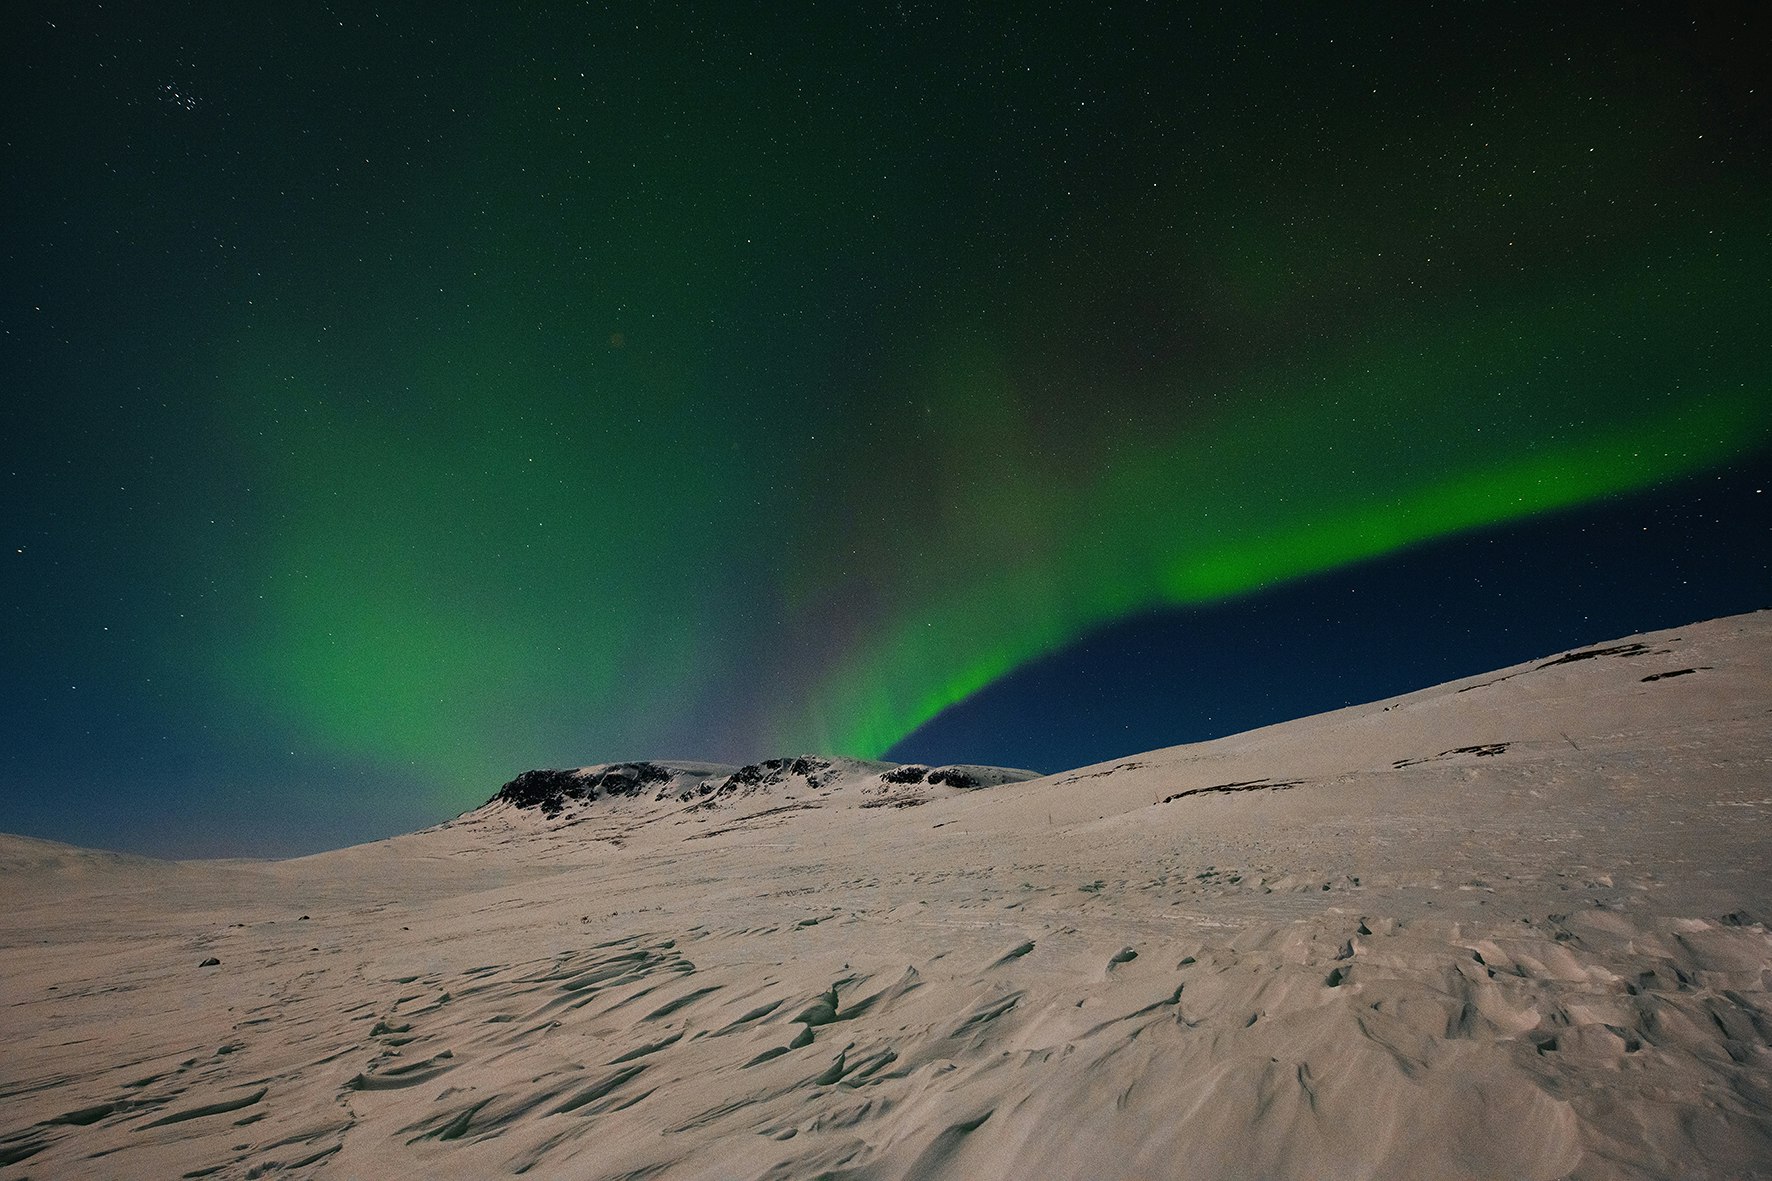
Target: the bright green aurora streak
(1488, 421)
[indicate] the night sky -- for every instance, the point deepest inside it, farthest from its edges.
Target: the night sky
(400, 396)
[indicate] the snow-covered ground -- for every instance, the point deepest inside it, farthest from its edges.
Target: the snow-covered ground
(1512, 926)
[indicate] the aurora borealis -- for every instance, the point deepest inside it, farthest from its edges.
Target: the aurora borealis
(397, 400)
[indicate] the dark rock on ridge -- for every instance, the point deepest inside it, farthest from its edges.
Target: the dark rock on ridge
(1632, 649)
(769, 773)
(914, 773)
(706, 786)
(549, 790)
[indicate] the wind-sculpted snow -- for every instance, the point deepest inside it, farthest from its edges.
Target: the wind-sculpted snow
(1516, 931)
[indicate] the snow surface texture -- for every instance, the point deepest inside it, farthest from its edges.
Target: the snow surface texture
(1508, 927)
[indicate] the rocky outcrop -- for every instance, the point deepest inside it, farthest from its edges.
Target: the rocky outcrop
(706, 786)
(550, 790)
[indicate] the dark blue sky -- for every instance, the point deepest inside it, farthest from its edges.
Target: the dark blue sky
(1450, 608)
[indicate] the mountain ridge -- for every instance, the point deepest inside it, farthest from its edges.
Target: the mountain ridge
(566, 794)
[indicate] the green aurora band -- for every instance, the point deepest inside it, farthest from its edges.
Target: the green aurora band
(1489, 421)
